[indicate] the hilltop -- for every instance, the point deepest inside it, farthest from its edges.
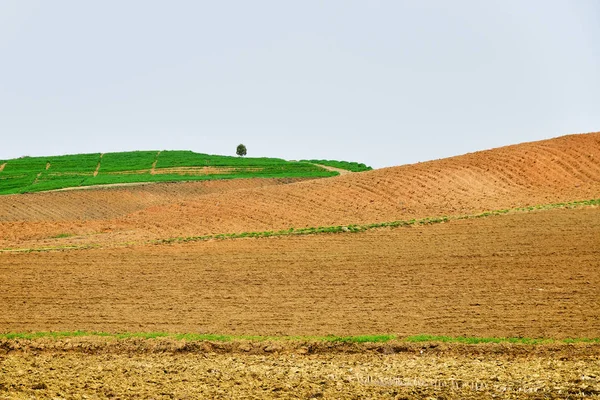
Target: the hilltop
(37, 174)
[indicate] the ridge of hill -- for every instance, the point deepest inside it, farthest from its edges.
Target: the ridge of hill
(555, 170)
(36, 174)
(549, 171)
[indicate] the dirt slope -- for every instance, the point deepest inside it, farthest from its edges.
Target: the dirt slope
(555, 170)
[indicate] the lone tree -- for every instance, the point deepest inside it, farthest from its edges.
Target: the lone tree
(241, 150)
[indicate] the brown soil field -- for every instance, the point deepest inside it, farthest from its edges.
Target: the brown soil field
(96, 210)
(533, 274)
(163, 369)
(556, 170)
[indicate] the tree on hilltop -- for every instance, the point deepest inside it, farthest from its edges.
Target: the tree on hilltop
(241, 150)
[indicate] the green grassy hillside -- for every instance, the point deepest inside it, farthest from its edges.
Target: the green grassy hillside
(35, 174)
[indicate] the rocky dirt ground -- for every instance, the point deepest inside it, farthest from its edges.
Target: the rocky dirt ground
(165, 369)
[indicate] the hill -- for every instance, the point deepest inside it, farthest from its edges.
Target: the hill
(466, 295)
(36, 174)
(549, 171)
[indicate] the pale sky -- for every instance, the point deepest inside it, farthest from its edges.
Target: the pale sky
(380, 82)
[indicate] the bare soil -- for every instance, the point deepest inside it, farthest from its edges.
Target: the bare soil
(183, 370)
(39, 217)
(533, 275)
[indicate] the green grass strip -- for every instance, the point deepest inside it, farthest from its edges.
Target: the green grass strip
(329, 338)
(193, 336)
(325, 229)
(365, 227)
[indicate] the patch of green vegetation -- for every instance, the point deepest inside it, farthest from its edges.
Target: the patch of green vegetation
(177, 158)
(14, 183)
(73, 164)
(127, 161)
(25, 166)
(349, 166)
(328, 338)
(36, 174)
(61, 236)
(194, 336)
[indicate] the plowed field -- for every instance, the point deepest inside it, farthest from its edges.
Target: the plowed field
(556, 170)
(535, 274)
(166, 369)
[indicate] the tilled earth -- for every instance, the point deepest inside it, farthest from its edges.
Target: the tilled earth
(163, 368)
(533, 274)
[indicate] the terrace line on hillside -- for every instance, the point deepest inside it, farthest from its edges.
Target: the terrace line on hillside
(36, 174)
(323, 229)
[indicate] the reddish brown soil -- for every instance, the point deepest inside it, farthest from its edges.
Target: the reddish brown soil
(556, 170)
(535, 274)
(166, 369)
(93, 211)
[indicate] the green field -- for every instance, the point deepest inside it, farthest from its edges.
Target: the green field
(36, 174)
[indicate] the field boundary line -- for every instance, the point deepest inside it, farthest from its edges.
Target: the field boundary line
(153, 169)
(98, 166)
(340, 171)
(352, 228)
(37, 178)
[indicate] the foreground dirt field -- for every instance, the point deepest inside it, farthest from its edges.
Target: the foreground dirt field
(556, 170)
(535, 274)
(90, 368)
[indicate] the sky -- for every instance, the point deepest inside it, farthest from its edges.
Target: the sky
(381, 82)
